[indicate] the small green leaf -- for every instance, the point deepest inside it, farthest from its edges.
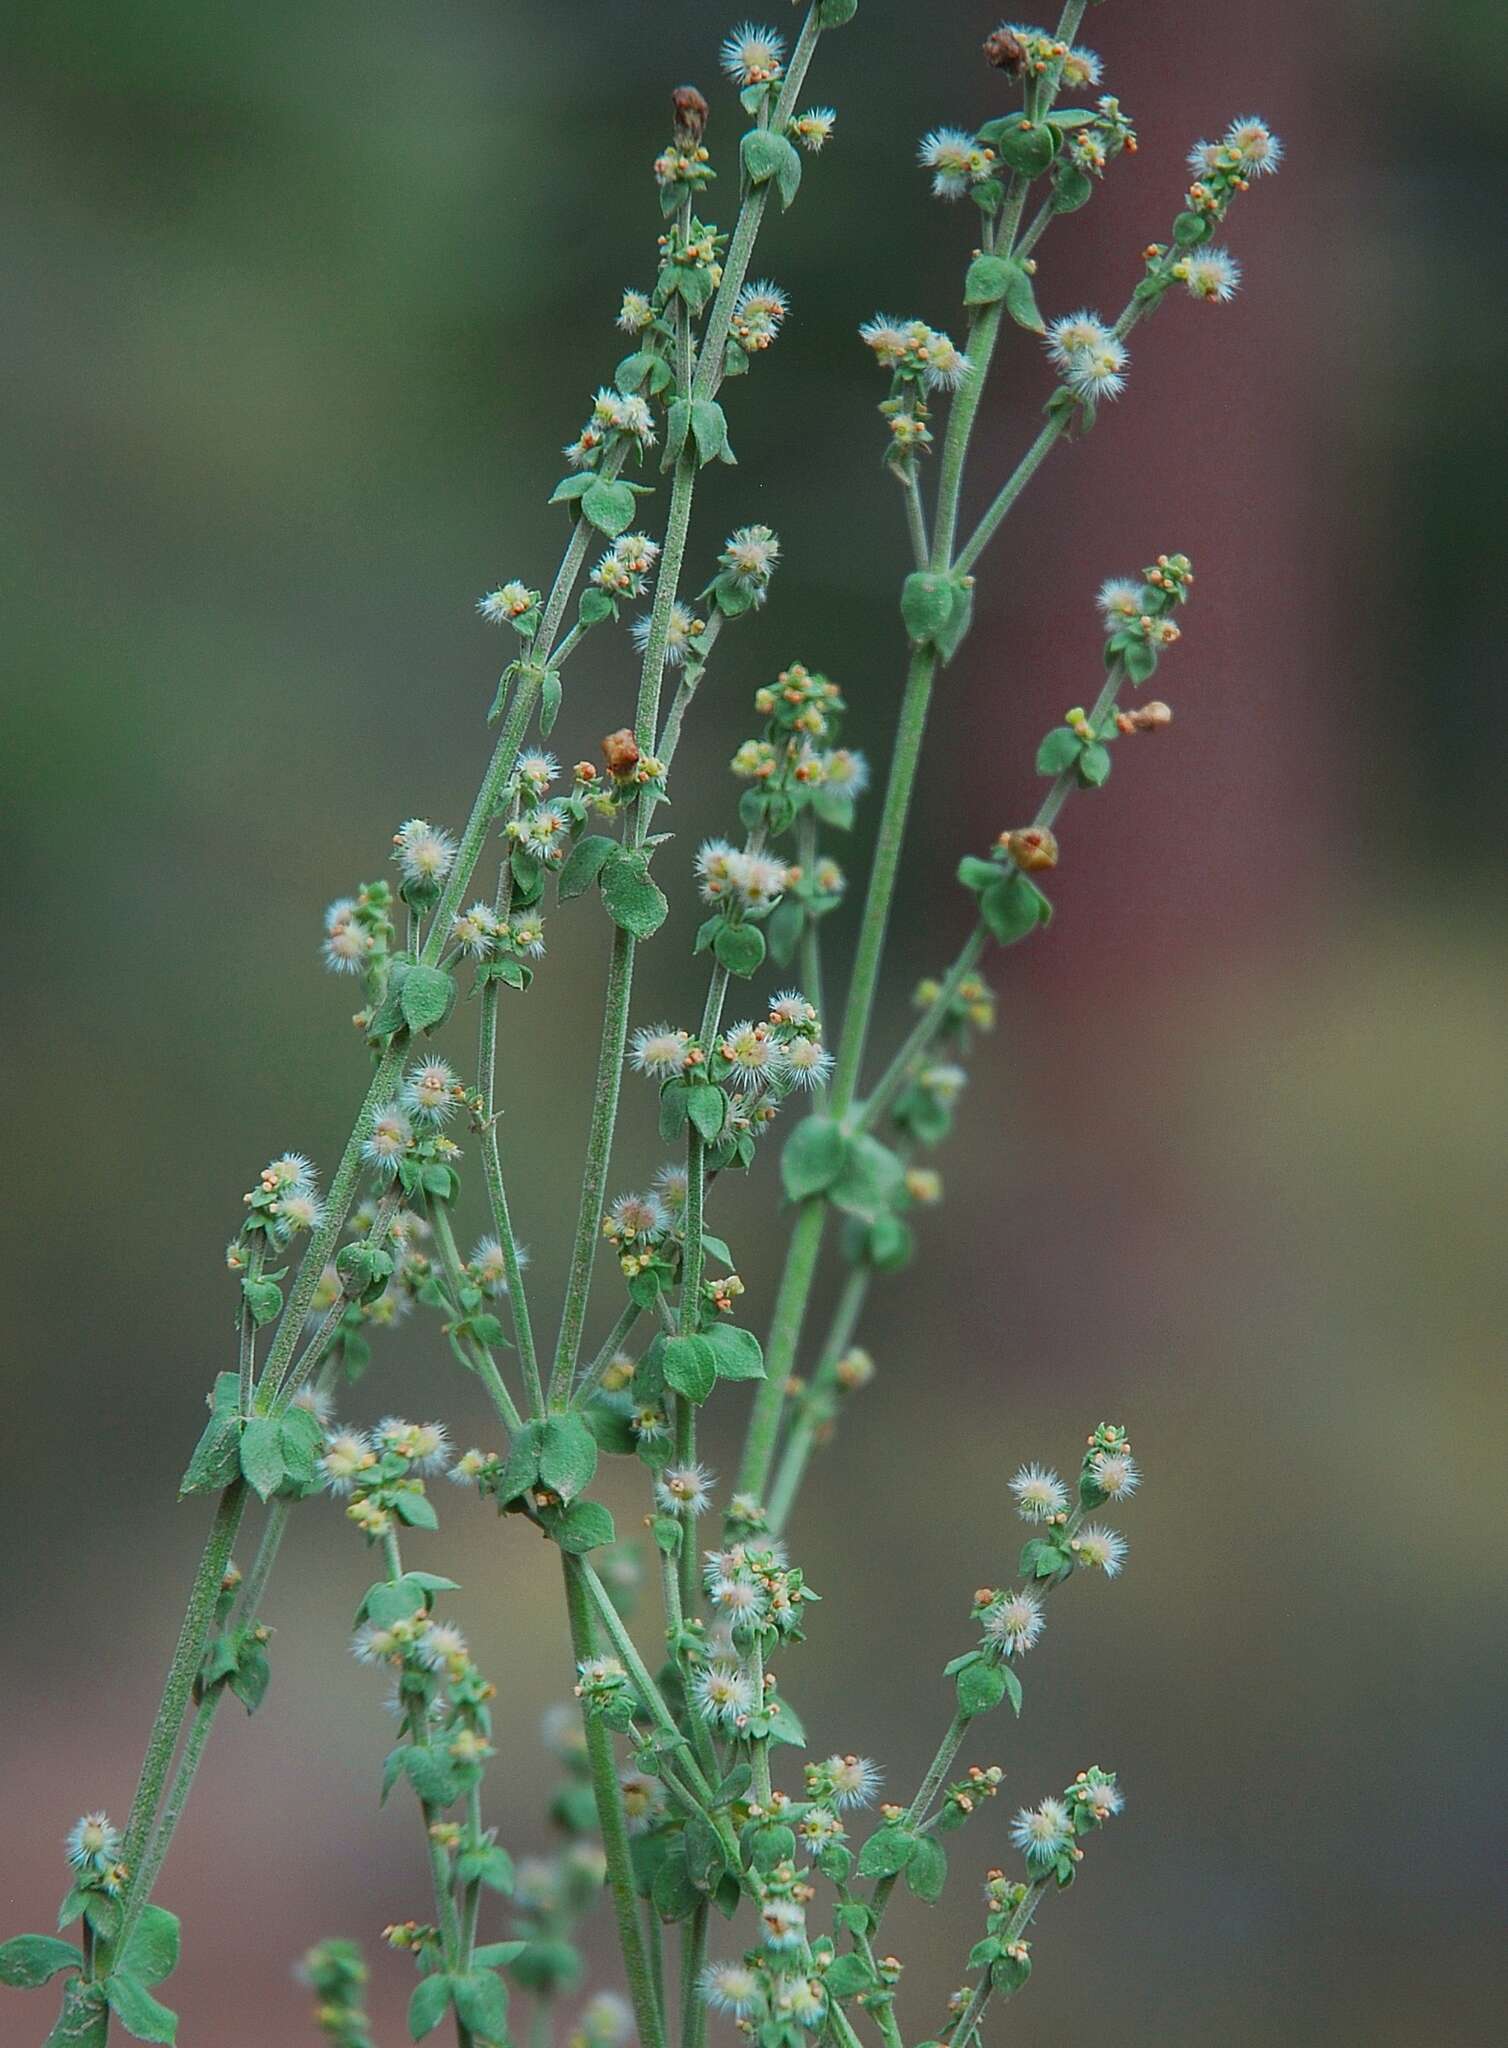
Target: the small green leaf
(977, 874)
(706, 1108)
(481, 2003)
(302, 1440)
(416, 1510)
(497, 1955)
(709, 429)
(834, 13)
(886, 1852)
(986, 280)
(1140, 659)
(427, 998)
(690, 1367)
(926, 605)
(264, 1298)
(736, 1352)
(216, 1458)
(585, 1525)
(1071, 188)
(432, 1775)
(813, 1157)
(954, 631)
(152, 1951)
(1013, 907)
(584, 863)
(740, 948)
(1028, 148)
(392, 1600)
(595, 606)
(551, 690)
(766, 155)
(1058, 751)
(549, 1967)
(138, 2011)
(521, 1467)
(1021, 299)
(871, 1179)
(980, 1687)
(635, 903)
(846, 1976)
(1094, 765)
(85, 2019)
(428, 2006)
(1012, 1688)
(927, 1869)
(677, 429)
(1189, 228)
(567, 1455)
(571, 488)
(262, 1455)
(608, 506)
(675, 1107)
(31, 1959)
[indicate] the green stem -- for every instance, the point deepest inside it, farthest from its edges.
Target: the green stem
(921, 1035)
(693, 1961)
(916, 517)
(709, 371)
(180, 1679)
(247, 1349)
(785, 1337)
(1009, 492)
(321, 1244)
(759, 1750)
(920, 678)
(811, 935)
(655, 1940)
(482, 1359)
(621, 967)
(983, 335)
(497, 1197)
(617, 1337)
(803, 1434)
(806, 1239)
(145, 1878)
(485, 809)
(571, 564)
(620, 974)
(603, 1766)
(654, 1700)
(934, 1019)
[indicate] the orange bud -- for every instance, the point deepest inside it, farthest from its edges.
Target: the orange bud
(1033, 848)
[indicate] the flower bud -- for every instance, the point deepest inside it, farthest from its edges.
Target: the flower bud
(620, 750)
(1033, 848)
(1145, 718)
(691, 111)
(1006, 51)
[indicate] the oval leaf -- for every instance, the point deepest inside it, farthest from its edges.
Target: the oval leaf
(633, 901)
(426, 998)
(31, 1959)
(813, 1157)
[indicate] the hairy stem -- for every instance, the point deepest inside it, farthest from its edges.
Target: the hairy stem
(610, 1819)
(180, 1680)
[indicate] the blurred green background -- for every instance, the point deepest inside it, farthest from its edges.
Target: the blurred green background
(302, 300)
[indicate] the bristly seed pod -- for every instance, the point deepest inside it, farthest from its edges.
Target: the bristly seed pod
(1033, 848)
(1006, 51)
(691, 111)
(620, 750)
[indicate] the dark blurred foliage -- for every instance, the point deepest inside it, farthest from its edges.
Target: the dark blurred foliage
(302, 300)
